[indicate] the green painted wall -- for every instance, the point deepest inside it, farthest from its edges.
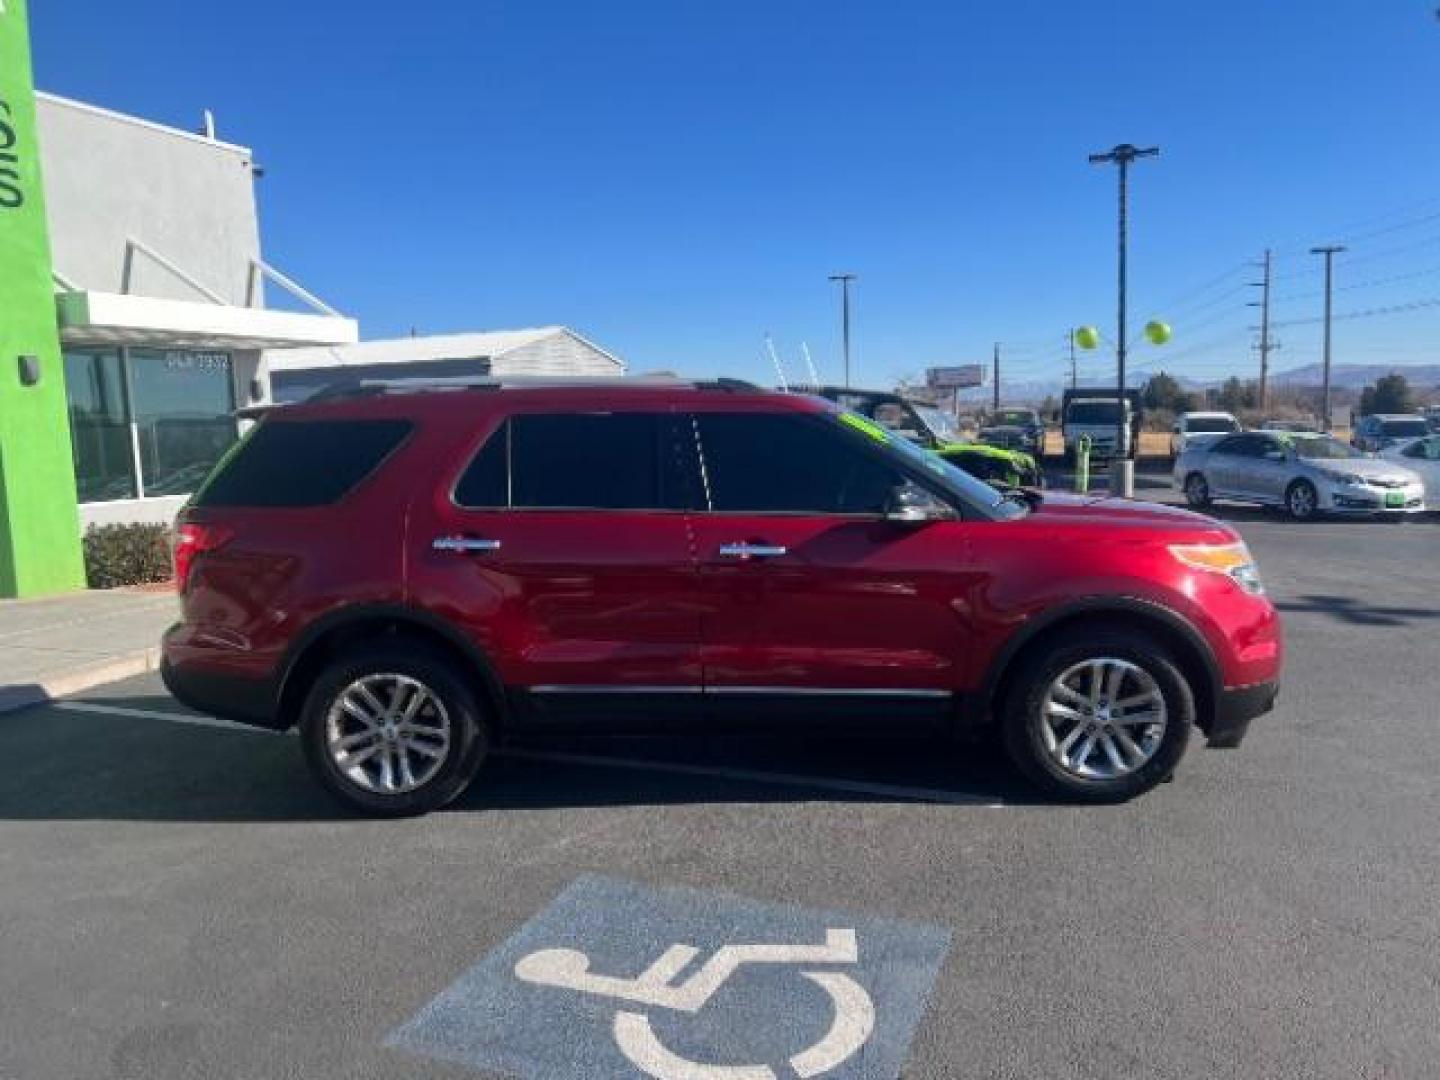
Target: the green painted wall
(39, 518)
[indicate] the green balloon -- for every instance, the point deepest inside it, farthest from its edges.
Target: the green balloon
(1087, 337)
(1157, 331)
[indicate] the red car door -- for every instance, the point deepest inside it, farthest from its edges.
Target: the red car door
(563, 551)
(809, 592)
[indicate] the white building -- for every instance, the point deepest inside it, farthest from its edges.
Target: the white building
(295, 374)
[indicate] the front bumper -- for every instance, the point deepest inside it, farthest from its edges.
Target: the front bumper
(1368, 499)
(1234, 711)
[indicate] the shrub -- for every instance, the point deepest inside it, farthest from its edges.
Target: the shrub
(127, 555)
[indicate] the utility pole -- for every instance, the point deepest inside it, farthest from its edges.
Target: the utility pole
(995, 378)
(845, 280)
(1122, 470)
(1074, 376)
(1329, 252)
(1265, 344)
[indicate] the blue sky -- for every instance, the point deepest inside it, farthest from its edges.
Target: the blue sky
(677, 178)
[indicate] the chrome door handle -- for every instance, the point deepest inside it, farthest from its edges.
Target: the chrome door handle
(464, 545)
(752, 551)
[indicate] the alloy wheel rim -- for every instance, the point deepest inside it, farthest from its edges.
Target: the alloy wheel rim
(387, 733)
(1302, 501)
(1198, 489)
(1102, 719)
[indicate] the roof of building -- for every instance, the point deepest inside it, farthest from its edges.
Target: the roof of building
(481, 345)
(140, 122)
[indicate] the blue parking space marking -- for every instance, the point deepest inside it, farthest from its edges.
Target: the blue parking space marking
(617, 979)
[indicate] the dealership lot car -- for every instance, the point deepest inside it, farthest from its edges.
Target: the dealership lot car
(1307, 475)
(1421, 456)
(1384, 430)
(409, 573)
(1003, 464)
(1198, 427)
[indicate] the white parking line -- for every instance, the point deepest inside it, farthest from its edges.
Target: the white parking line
(156, 714)
(900, 792)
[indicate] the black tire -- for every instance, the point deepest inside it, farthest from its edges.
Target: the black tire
(1022, 723)
(468, 742)
(1302, 501)
(1197, 490)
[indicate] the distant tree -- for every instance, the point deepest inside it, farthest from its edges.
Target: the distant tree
(1049, 407)
(1162, 392)
(1390, 394)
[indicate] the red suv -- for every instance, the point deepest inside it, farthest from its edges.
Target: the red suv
(410, 572)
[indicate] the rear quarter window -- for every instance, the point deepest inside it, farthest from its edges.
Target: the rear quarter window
(294, 463)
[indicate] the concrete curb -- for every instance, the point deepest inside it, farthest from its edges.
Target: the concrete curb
(25, 695)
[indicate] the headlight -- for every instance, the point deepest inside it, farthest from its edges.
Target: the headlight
(1232, 560)
(1348, 478)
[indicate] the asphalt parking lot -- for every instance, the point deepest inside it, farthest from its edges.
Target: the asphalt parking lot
(177, 899)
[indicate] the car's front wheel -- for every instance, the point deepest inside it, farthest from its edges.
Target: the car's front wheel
(1302, 501)
(392, 729)
(1197, 490)
(1098, 716)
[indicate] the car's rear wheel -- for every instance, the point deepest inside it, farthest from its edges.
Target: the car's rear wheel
(1197, 490)
(1099, 716)
(391, 729)
(1301, 500)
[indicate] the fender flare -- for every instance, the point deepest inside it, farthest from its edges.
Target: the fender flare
(402, 615)
(979, 704)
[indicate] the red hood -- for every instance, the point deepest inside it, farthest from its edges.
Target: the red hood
(1103, 511)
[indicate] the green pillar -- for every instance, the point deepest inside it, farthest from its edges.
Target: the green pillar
(39, 517)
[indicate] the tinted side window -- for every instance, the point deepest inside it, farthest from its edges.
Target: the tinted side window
(585, 461)
(1227, 446)
(301, 462)
(786, 463)
(1244, 446)
(486, 482)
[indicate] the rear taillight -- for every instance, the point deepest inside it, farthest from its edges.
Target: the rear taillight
(192, 540)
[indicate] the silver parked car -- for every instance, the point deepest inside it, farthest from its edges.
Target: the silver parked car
(1421, 456)
(1381, 431)
(1306, 474)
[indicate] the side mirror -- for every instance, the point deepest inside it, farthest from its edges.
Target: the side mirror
(911, 504)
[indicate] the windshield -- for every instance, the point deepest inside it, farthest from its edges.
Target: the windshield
(957, 482)
(1210, 423)
(1404, 428)
(941, 424)
(1322, 448)
(1093, 412)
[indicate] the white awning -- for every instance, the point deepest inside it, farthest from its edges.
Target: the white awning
(99, 318)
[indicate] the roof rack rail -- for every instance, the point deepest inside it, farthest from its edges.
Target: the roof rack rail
(353, 387)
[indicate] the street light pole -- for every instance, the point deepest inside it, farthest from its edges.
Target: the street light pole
(845, 280)
(1123, 467)
(1329, 253)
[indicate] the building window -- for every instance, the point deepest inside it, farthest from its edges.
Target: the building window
(169, 411)
(182, 404)
(99, 427)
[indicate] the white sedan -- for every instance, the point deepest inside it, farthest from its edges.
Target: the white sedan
(1422, 457)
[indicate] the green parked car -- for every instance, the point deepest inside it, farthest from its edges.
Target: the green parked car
(934, 429)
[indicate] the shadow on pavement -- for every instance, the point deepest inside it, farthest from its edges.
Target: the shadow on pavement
(88, 766)
(1357, 612)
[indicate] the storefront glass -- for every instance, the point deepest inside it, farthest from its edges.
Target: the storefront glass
(175, 418)
(182, 403)
(99, 429)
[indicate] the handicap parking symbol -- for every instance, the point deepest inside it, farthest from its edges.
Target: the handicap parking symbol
(616, 979)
